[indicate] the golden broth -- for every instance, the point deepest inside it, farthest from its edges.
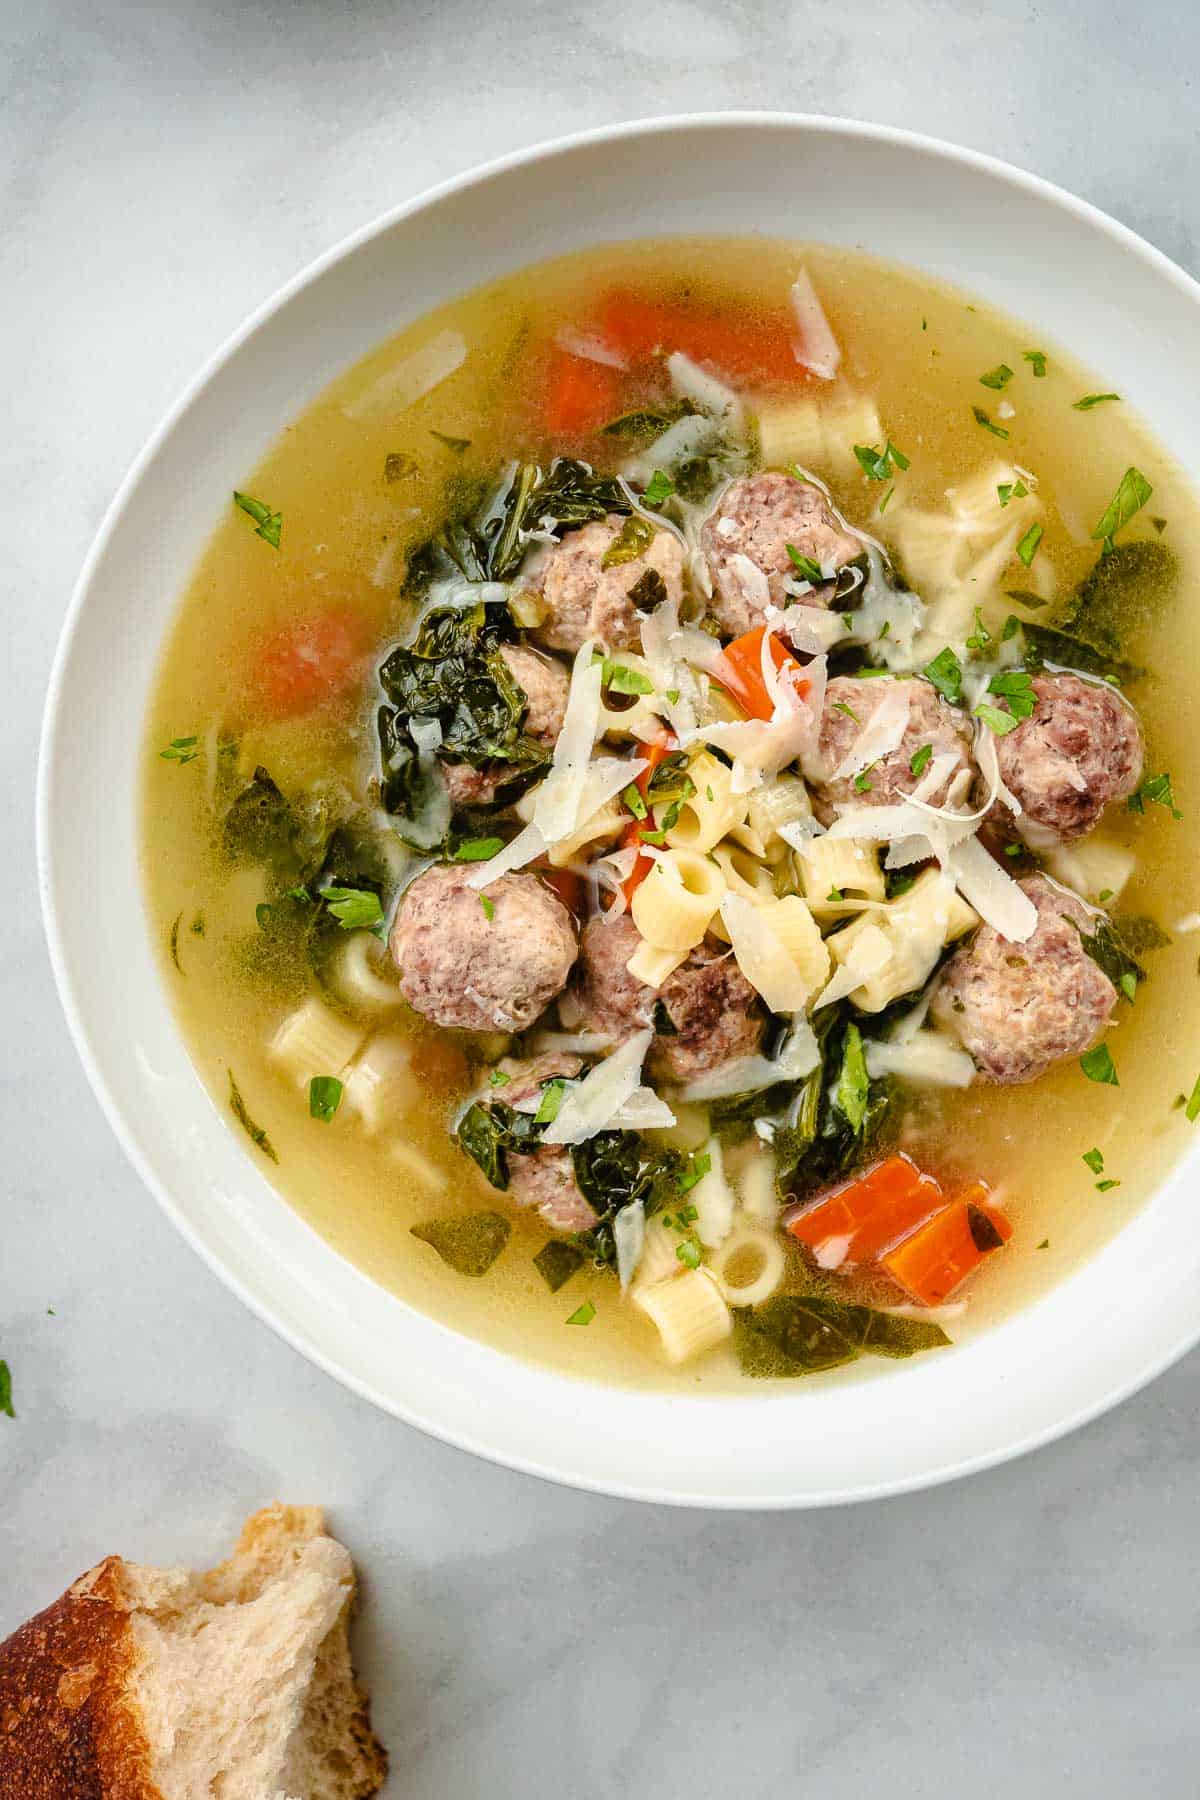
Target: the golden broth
(918, 349)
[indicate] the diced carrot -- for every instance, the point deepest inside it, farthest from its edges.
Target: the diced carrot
(747, 348)
(740, 672)
(936, 1259)
(580, 395)
(869, 1213)
(566, 884)
(654, 754)
(309, 662)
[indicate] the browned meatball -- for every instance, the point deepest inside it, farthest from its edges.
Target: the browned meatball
(587, 600)
(930, 721)
(714, 1012)
(471, 972)
(753, 522)
(1079, 751)
(545, 684)
(544, 1178)
(1018, 1008)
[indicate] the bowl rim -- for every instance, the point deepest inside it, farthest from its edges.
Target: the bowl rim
(734, 120)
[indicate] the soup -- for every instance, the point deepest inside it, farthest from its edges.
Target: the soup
(666, 814)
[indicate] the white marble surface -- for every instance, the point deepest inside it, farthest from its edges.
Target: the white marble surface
(166, 164)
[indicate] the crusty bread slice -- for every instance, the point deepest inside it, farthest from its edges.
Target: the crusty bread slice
(161, 1684)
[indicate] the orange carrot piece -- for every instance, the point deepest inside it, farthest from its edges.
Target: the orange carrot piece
(758, 350)
(308, 663)
(566, 884)
(740, 673)
(632, 834)
(935, 1260)
(875, 1210)
(580, 395)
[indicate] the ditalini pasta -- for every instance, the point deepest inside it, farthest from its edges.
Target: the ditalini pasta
(720, 761)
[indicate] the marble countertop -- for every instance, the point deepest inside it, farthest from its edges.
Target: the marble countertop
(1032, 1630)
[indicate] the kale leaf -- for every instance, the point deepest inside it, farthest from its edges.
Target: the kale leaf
(802, 1334)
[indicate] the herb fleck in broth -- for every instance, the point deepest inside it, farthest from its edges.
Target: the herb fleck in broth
(356, 483)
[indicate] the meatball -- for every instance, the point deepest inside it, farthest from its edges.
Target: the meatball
(1018, 1008)
(849, 705)
(587, 600)
(1080, 750)
(464, 969)
(545, 684)
(713, 1012)
(753, 523)
(544, 1178)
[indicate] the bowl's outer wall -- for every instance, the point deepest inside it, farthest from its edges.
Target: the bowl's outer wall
(1078, 279)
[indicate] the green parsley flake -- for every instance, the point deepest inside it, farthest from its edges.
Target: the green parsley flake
(1090, 400)
(324, 1097)
(884, 503)
(476, 849)
(689, 1253)
(355, 909)
(981, 418)
(268, 525)
(1038, 359)
(489, 907)
(838, 706)
(1094, 1160)
(1191, 1111)
(660, 488)
(1027, 548)
(499, 1078)
(697, 1170)
(1127, 982)
(1010, 628)
(945, 673)
(981, 637)
(877, 465)
(1015, 686)
(6, 1394)
(1098, 1065)
(804, 566)
(1132, 494)
(1157, 790)
(633, 801)
(583, 1315)
(862, 781)
(835, 896)
(1011, 490)
(1001, 723)
(181, 750)
(619, 678)
(1102, 1187)
(920, 759)
(997, 378)
(552, 1099)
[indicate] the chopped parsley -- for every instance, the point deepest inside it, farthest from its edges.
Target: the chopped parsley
(6, 1395)
(1038, 359)
(489, 907)
(1102, 1187)
(268, 525)
(1015, 686)
(920, 759)
(883, 504)
(877, 465)
(1098, 1065)
(254, 1132)
(804, 566)
(862, 781)
(633, 801)
(981, 637)
(945, 673)
(1045, 1243)
(499, 1078)
(1090, 400)
(1010, 628)
(696, 1170)
(673, 696)
(476, 849)
(181, 750)
(835, 896)
(552, 1099)
(1127, 982)
(354, 908)
(981, 418)
(583, 1315)
(997, 378)
(621, 679)
(324, 1097)
(1156, 789)
(1001, 723)
(842, 707)
(1094, 1160)
(1027, 548)
(1191, 1111)
(1132, 494)
(1011, 490)
(660, 488)
(689, 1253)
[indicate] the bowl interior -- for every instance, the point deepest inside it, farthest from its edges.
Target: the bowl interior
(1118, 305)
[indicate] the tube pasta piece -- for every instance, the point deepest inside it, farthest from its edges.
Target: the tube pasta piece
(712, 811)
(747, 839)
(713, 1199)
(313, 1040)
(748, 1266)
(660, 1255)
(915, 930)
(744, 874)
(380, 1086)
(356, 975)
(652, 966)
(826, 870)
(674, 905)
(604, 827)
(779, 949)
(756, 1186)
(776, 803)
(688, 1311)
(791, 432)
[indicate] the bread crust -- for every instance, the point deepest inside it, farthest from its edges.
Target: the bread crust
(66, 1732)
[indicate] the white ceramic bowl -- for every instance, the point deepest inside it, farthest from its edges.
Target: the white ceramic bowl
(1033, 250)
